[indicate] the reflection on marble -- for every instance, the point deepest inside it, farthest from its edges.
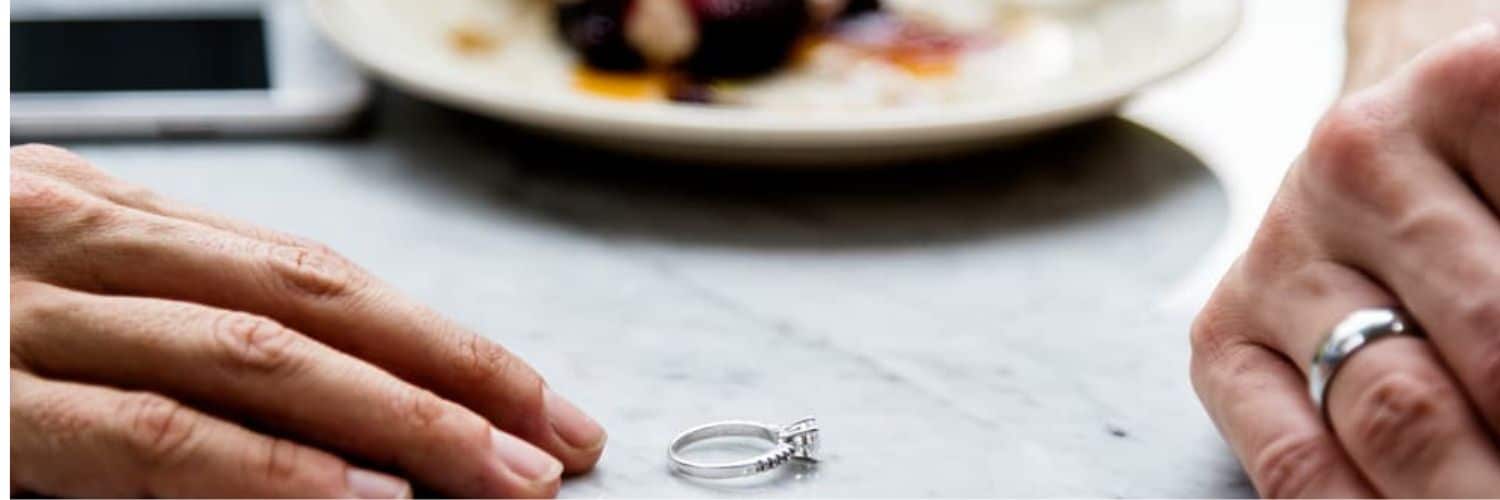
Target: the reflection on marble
(975, 327)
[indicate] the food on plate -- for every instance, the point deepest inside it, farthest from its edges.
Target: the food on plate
(807, 55)
(705, 38)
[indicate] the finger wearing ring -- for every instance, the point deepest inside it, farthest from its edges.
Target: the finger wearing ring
(1358, 329)
(1399, 414)
(1391, 404)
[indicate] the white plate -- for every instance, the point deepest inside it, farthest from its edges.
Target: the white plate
(1121, 46)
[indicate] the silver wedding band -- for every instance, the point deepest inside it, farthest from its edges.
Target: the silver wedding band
(1358, 329)
(796, 441)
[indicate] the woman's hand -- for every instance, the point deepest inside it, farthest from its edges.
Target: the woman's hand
(1393, 204)
(158, 350)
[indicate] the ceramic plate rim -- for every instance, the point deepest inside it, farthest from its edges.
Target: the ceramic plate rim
(758, 127)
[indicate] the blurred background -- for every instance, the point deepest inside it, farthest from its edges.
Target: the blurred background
(986, 238)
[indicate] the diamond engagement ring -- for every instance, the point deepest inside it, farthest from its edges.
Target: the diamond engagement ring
(797, 441)
(1358, 329)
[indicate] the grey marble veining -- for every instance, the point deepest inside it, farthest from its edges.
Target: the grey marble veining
(977, 327)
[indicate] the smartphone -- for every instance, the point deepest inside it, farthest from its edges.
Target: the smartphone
(111, 68)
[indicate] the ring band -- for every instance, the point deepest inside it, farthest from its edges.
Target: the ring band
(1358, 329)
(797, 441)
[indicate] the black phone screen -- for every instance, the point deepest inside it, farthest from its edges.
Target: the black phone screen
(138, 55)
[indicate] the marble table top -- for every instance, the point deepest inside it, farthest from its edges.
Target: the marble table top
(991, 326)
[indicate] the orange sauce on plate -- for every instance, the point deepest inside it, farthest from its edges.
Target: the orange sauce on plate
(921, 51)
(640, 86)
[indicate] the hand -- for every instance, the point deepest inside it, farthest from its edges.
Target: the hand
(158, 350)
(1393, 204)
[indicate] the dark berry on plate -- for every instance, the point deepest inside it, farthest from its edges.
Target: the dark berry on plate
(705, 38)
(857, 7)
(596, 29)
(827, 11)
(746, 37)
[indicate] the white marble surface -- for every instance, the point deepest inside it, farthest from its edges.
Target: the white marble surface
(1011, 325)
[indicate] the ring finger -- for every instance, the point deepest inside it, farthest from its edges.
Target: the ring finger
(1397, 411)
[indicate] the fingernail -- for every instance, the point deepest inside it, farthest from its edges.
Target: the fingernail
(575, 427)
(371, 484)
(525, 460)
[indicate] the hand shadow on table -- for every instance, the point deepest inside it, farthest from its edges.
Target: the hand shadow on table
(1092, 170)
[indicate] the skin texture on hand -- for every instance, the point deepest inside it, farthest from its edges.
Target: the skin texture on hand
(159, 350)
(1393, 204)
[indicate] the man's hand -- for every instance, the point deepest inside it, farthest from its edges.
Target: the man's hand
(1393, 204)
(158, 350)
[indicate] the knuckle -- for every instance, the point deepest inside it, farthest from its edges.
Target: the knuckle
(1353, 131)
(281, 461)
(36, 303)
(1292, 465)
(1317, 280)
(254, 343)
(47, 158)
(443, 423)
(1234, 361)
(134, 196)
(29, 193)
(1347, 153)
(316, 271)
(1208, 335)
(1461, 71)
(94, 215)
(35, 308)
(423, 408)
(483, 361)
(1477, 311)
(489, 367)
(321, 474)
(1219, 325)
(158, 429)
(36, 200)
(1218, 347)
(1402, 418)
